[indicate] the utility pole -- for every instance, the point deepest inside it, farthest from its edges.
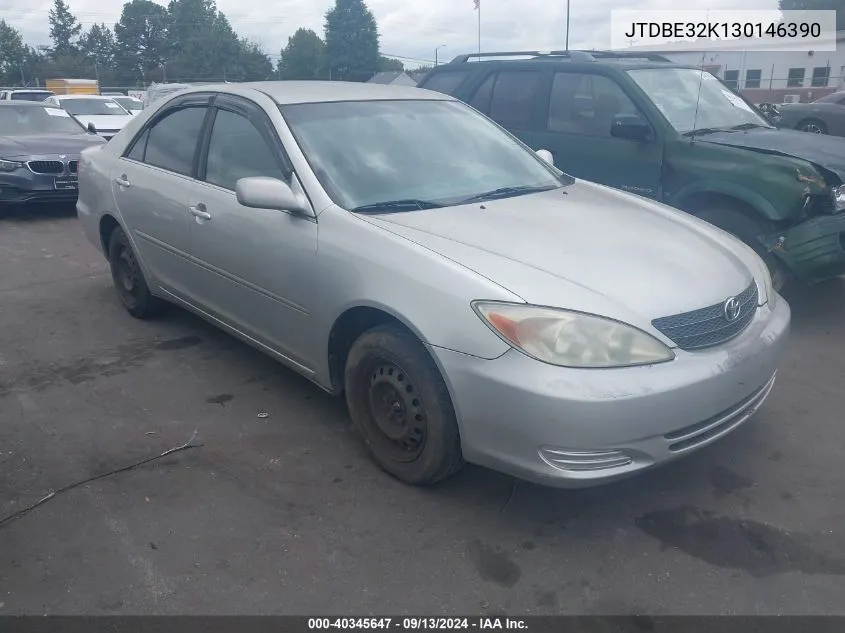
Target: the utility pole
(435, 53)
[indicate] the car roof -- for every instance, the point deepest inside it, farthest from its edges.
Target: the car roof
(25, 104)
(65, 97)
(574, 59)
(292, 92)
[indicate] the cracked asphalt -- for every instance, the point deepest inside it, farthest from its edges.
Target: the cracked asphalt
(284, 514)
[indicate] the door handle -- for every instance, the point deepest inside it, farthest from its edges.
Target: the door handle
(200, 212)
(123, 181)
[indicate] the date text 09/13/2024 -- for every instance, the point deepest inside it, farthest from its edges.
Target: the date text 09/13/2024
(417, 624)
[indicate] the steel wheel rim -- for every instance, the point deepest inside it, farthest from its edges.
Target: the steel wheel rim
(812, 128)
(128, 276)
(397, 421)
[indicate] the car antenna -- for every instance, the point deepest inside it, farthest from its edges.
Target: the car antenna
(698, 98)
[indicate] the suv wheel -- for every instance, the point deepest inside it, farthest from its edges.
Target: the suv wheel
(748, 229)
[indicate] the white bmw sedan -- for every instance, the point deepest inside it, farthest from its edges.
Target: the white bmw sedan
(472, 302)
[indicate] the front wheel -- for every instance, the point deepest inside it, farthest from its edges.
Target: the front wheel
(400, 404)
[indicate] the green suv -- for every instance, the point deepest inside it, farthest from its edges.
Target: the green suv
(673, 133)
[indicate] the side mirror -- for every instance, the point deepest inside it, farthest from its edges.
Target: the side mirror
(92, 128)
(260, 192)
(630, 126)
(547, 156)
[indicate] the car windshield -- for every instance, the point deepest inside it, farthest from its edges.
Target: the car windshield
(675, 92)
(130, 103)
(20, 120)
(35, 95)
(437, 152)
(92, 107)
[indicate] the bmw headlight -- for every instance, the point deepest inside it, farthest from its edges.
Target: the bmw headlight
(9, 165)
(838, 197)
(571, 339)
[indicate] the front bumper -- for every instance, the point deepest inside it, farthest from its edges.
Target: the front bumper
(23, 185)
(814, 250)
(572, 428)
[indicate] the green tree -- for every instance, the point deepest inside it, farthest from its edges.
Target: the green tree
(194, 34)
(140, 40)
(12, 55)
(97, 46)
(386, 64)
(302, 58)
(64, 28)
(253, 62)
(352, 41)
(817, 5)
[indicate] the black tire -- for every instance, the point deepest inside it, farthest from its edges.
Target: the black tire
(812, 126)
(748, 229)
(400, 404)
(129, 279)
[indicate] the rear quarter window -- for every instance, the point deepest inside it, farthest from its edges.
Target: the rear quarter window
(446, 82)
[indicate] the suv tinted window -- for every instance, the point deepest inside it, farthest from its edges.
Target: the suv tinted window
(446, 82)
(586, 104)
(238, 150)
(172, 140)
(512, 97)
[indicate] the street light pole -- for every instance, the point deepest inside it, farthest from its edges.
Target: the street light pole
(567, 24)
(435, 53)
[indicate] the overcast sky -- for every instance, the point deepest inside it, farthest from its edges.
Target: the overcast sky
(408, 28)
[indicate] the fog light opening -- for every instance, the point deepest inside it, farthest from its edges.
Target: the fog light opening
(581, 460)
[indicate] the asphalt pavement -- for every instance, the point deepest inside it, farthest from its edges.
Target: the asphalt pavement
(284, 514)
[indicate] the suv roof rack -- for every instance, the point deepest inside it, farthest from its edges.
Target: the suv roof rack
(571, 55)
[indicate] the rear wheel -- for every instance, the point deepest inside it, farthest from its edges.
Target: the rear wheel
(748, 230)
(813, 126)
(129, 278)
(399, 402)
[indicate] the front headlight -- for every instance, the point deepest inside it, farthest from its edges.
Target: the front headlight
(571, 339)
(9, 165)
(838, 197)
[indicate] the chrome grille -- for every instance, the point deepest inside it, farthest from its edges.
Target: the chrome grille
(46, 166)
(708, 326)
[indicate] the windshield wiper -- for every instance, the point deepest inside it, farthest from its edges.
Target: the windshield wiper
(507, 192)
(751, 126)
(706, 130)
(396, 206)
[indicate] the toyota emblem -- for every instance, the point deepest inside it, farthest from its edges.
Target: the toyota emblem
(732, 309)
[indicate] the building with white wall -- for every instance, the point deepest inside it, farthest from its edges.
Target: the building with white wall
(805, 74)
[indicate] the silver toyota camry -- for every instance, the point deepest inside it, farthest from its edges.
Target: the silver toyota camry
(472, 302)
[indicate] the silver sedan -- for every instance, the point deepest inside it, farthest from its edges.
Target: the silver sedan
(472, 302)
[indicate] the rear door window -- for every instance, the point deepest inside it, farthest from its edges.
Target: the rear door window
(509, 97)
(446, 82)
(172, 141)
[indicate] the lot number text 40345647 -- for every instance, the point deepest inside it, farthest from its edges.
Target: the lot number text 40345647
(418, 624)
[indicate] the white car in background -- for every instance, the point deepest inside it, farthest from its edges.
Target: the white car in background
(128, 103)
(104, 114)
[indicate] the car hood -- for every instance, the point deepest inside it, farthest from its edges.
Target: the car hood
(824, 151)
(105, 121)
(586, 247)
(42, 144)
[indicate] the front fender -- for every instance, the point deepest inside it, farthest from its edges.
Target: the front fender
(683, 198)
